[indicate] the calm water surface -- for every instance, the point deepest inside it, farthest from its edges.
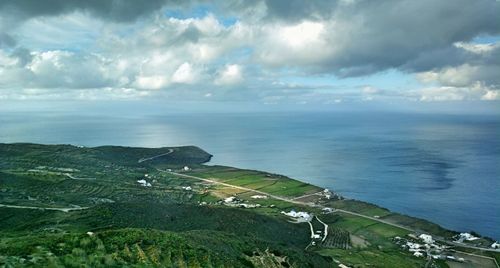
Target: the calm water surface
(439, 167)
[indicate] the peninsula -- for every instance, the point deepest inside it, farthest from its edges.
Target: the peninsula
(112, 206)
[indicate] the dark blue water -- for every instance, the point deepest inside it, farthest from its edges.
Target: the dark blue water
(442, 168)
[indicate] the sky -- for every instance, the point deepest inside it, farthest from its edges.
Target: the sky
(274, 53)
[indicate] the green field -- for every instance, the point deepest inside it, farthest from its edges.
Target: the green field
(258, 180)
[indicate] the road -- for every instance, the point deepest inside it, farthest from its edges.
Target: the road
(237, 187)
(156, 156)
(76, 178)
(325, 232)
(44, 208)
(312, 229)
(312, 235)
(320, 206)
(307, 195)
(375, 219)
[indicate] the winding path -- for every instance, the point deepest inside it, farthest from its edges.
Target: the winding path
(325, 232)
(156, 156)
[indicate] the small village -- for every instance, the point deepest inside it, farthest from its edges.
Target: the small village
(425, 246)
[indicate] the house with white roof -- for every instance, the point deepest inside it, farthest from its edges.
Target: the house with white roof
(426, 238)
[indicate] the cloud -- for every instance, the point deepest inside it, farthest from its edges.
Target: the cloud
(302, 34)
(478, 78)
(151, 82)
(444, 94)
(491, 95)
(117, 10)
(171, 46)
(6, 40)
(106, 93)
(483, 65)
(230, 75)
(7, 60)
(54, 69)
(463, 75)
(370, 90)
(364, 37)
(154, 56)
(451, 93)
(184, 74)
(477, 48)
(302, 44)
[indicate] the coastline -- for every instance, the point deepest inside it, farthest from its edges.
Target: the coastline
(130, 178)
(412, 223)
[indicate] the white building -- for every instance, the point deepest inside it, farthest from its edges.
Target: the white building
(328, 210)
(258, 197)
(413, 246)
(467, 236)
(186, 168)
(426, 238)
(249, 205)
(144, 183)
(495, 245)
(294, 214)
(418, 254)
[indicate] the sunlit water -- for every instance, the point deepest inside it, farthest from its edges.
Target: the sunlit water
(438, 167)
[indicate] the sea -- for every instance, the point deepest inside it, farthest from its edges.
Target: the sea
(439, 167)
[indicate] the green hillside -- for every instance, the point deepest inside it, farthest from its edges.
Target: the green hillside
(112, 206)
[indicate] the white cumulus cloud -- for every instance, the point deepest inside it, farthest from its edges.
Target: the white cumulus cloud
(184, 74)
(230, 75)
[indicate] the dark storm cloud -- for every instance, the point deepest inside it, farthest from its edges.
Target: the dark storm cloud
(415, 35)
(6, 40)
(116, 10)
(438, 58)
(23, 56)
(296, 10)
(484, 66)
(371, 36)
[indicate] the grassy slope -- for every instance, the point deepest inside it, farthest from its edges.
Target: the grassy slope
(230, 241)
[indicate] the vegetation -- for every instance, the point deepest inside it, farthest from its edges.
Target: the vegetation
(130, 225)
(257, 180)
(67, 206)
(338, 238)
